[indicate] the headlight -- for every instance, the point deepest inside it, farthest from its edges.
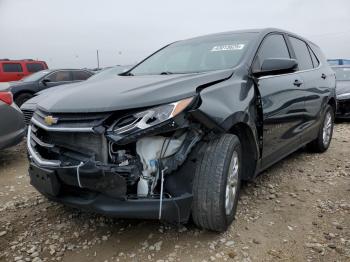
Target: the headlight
(151, 117)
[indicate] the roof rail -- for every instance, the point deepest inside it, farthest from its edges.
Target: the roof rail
(4, 59)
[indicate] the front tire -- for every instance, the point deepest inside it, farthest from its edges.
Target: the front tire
(217, 183)
(325, 134)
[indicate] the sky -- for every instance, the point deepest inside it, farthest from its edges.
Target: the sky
(67, 33)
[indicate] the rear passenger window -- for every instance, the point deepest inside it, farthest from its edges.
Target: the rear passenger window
(12, 67)
(302, 53)
(274, 46)
(34, 67)
(60, 76)
(315, 61)
(80, 75)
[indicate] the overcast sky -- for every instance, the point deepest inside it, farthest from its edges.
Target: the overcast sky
(66, 33)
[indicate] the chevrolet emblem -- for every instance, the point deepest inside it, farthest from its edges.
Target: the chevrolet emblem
(50, 120)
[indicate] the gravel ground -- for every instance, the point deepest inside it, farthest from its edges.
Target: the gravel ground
(298, 210)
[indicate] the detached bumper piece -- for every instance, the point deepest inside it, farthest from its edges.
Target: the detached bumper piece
(105, 194)
(343, 109)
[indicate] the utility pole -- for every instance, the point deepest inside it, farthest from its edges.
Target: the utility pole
(98, 59)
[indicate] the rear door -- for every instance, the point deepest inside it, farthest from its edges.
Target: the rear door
(315, 87)
(282, 102)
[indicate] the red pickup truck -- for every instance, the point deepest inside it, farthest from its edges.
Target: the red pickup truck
(13, 70)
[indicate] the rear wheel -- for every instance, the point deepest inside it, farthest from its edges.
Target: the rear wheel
(22, 98)
(323, 140)
(217, 183)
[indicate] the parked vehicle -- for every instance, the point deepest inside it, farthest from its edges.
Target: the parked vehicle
(14, 70)
(334, 62)
(12, 127)
(28, 86)
(29, 106)
(176, 134)
(343, 90)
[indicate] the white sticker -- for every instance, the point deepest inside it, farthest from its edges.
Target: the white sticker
(227, 47)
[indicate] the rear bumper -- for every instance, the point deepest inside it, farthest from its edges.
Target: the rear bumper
(53, 183)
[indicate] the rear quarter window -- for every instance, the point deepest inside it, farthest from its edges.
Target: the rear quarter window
(81, 75)
(12, 67)
(34, 67)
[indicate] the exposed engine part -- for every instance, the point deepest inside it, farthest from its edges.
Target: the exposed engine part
(150, 150)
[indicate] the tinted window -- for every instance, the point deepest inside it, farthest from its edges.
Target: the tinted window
(346, 62)
(81, 75)
(60, 76)
(302, 53)
(315, 61)
(273, 46)
(12, 67)
(35, 67)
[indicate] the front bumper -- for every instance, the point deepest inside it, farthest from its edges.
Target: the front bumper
(61, 185)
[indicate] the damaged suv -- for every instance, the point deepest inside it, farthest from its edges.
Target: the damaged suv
(174, 137)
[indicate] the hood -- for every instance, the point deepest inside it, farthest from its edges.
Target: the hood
(19, 84)
(32, 103)
(343, 87)
(126, 92)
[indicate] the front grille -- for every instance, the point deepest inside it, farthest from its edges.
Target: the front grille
(72, 120)
(27, 116)
(69, 147)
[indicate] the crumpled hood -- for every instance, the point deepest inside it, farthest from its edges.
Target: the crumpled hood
(126, 92)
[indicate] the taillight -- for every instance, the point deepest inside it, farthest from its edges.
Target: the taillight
(6, 97)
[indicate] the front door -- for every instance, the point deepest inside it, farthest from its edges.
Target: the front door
(282, 103)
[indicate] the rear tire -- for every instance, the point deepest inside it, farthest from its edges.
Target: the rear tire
(22, 98)
(323, 140)
(217, 183)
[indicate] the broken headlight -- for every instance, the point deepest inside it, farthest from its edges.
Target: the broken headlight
(150, 117)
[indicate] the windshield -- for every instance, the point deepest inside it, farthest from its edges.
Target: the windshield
(36, 76)
(108, 73)
(197, 55)
(343, 74)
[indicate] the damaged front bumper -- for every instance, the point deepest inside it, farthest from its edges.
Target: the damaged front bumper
(61, 185)
(95, 179)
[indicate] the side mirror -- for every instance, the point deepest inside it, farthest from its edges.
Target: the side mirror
(272, 66)
(45, 81)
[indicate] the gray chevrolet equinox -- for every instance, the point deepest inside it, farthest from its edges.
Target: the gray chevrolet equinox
(174, 136)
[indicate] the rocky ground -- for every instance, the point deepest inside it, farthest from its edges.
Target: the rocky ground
(298, 210)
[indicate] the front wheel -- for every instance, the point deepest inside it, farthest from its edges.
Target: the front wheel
(217, 183)
(325, 134)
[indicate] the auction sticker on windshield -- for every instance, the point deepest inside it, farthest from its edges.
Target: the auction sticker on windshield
(227, 47)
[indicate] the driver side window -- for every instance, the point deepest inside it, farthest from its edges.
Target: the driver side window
(273, 46)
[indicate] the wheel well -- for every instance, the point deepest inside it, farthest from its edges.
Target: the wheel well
(249, 148)
(333, 104)
(23, 92)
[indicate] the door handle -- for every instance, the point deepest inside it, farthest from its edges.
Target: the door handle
(323, 76)
(298, 82)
